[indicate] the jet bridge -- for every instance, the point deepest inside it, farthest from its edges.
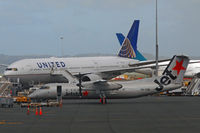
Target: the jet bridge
(194, 86)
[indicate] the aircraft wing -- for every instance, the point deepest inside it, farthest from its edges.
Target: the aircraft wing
(109, 73)
(101, 85)
(142, 63)
(151, 64)
(113, 72)
(194, 61)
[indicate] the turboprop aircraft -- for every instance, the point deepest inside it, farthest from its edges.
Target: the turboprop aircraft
(34, 71)
(170, 79)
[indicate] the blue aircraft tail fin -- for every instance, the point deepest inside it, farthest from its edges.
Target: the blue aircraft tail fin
(120, 38)
(129, 44)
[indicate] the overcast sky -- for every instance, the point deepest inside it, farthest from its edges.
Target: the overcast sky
(88, 26)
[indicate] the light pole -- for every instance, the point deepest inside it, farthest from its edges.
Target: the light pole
(61, 45)
(156, 72)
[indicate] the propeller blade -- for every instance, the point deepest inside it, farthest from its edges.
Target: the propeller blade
(80, 84)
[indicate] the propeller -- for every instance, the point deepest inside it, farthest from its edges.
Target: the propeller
(80, 83)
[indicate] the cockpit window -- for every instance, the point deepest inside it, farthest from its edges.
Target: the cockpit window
(11, 69)
(45, 87)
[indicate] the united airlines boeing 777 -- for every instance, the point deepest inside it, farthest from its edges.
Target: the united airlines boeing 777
(34, 71)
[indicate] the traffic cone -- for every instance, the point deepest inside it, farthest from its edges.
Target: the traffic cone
(100, 100)
(40, 111)
(104, 100)
(28, 111)
(60, 103)
(36, 111)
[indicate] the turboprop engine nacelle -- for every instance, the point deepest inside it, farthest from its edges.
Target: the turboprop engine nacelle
(90, 77)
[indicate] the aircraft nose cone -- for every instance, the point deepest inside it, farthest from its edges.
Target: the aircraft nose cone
(34, 94)
(5, 73)
(9, 73)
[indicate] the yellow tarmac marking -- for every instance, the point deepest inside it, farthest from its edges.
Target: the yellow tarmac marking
(3, 122)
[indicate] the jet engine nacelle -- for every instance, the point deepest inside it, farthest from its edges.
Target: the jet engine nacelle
(90, 77)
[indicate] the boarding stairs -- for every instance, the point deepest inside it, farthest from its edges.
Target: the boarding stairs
(64, 73)
(194, 87)
(4, 87)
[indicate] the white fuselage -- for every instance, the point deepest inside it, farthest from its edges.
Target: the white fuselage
(129, 89)
(39, 70)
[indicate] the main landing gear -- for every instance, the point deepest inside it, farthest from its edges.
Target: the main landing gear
(103, 99)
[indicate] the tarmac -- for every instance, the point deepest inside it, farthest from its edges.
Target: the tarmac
(150, 114)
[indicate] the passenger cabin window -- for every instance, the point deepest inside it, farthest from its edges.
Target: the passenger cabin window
(11, 69)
